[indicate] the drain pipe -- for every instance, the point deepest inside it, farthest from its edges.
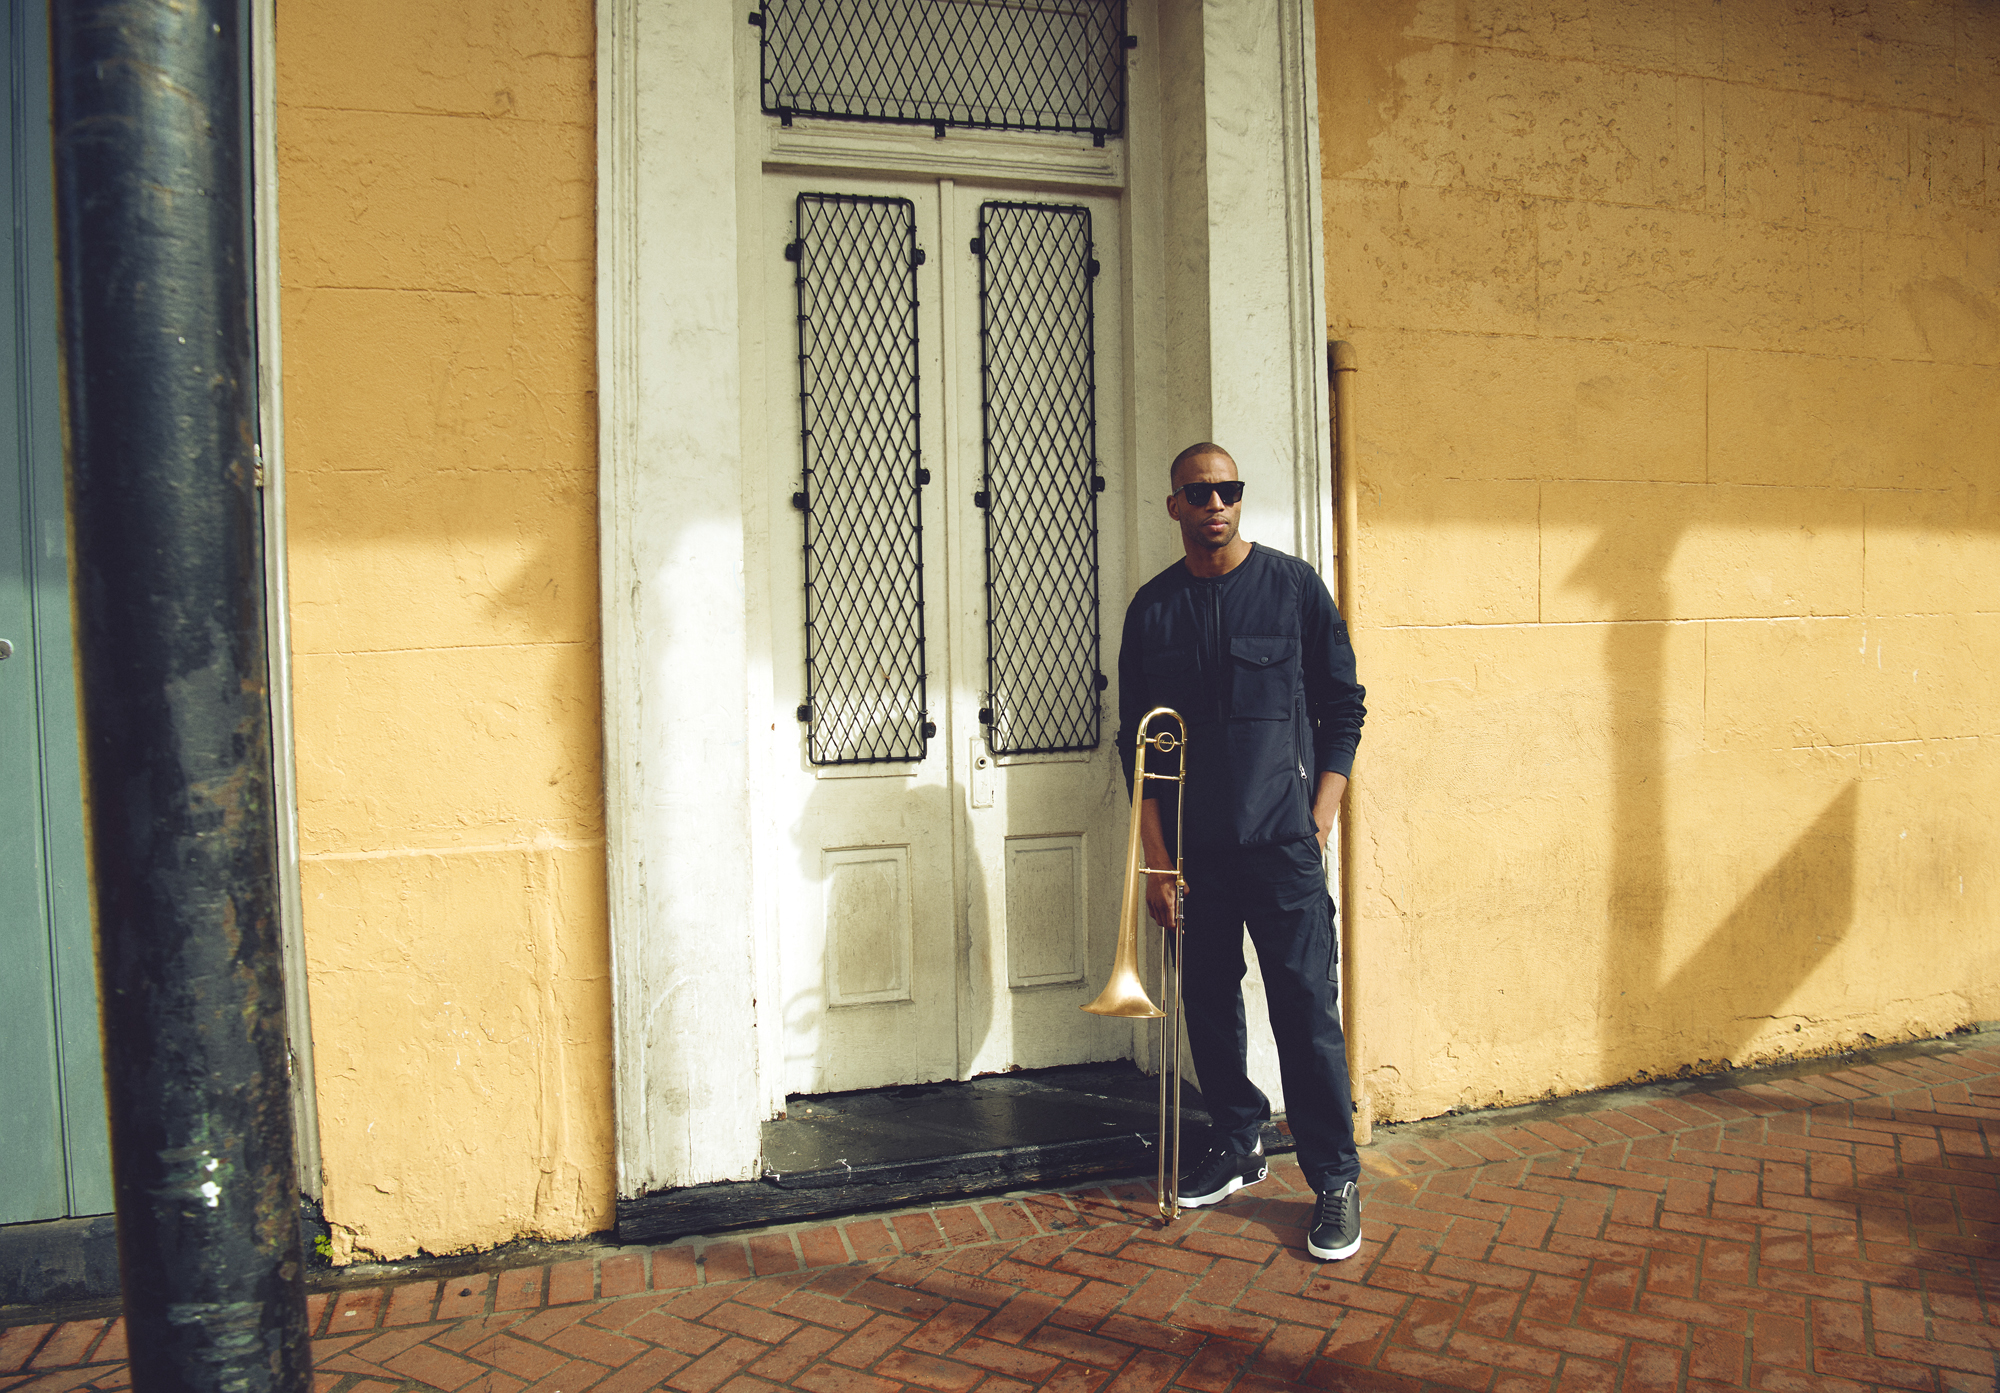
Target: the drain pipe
(160, 384)
(1341, 367)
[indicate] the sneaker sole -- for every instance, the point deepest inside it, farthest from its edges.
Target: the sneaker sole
(1334, 1254)
(1218, 1196)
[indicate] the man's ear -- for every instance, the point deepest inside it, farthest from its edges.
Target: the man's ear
(1174, 506)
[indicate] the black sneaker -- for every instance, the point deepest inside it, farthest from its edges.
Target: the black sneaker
(1336, 1230)
(1218, 1175)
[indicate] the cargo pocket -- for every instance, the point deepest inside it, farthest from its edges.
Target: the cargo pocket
(1264, 672)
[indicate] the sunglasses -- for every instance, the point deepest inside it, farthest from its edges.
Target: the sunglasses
(1230, 491)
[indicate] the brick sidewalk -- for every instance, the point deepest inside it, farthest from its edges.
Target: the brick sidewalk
(1801, 1235)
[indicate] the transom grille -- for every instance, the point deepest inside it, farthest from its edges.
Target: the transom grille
(1038, 379)
(1029, 65)
(862, 476)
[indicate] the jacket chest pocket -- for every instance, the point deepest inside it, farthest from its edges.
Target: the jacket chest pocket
(1264, 675)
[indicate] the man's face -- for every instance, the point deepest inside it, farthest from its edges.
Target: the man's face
(1211, 526)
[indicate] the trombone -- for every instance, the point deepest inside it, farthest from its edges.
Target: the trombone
(1125, 994)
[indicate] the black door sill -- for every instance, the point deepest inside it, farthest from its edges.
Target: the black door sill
(846, 1153)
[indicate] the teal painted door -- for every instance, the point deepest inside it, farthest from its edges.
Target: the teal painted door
(54, 1151)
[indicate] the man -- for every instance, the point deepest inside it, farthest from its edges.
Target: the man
(1246, 644)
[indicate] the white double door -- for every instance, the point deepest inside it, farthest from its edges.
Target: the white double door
(944, 914)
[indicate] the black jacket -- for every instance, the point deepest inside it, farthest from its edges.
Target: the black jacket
(1259, 665)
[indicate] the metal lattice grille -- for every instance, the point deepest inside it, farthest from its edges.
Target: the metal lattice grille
(862, 479)
(1025, 65)
(1038, 379)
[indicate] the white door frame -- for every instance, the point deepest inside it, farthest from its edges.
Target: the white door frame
(1229, 327)
(263, 40)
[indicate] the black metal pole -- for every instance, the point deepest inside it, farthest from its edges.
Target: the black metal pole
(151, 188)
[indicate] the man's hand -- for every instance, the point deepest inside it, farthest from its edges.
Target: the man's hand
(1326, 804)
(1160, 899)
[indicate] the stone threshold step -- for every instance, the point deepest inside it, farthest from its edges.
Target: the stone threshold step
(847, 1153)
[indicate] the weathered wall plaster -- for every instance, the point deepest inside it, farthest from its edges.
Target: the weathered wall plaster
(436, 200)
(1679, 556)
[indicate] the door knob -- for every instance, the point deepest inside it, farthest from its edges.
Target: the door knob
(6, 650)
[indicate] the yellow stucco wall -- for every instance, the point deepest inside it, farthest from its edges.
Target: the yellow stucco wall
(436, 187)
(1679, 547)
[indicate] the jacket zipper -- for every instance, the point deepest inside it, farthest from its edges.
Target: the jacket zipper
(1219, 669)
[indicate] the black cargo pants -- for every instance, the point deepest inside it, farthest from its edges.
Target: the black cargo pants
(1279, 894)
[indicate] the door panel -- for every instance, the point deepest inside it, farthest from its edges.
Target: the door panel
(54, 1149)
(1047, 914)
(1044, 839)
(867, 921)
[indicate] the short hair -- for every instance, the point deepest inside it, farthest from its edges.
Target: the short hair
(1195, 451)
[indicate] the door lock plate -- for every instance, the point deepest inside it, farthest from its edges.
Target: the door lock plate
(982, 774)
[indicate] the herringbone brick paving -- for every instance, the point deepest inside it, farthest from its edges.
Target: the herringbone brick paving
(1824, 1234)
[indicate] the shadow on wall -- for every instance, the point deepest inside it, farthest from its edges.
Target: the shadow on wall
(1778, 934)
(1790, 921)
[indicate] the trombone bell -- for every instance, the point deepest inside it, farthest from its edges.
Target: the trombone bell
(1125, 995)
